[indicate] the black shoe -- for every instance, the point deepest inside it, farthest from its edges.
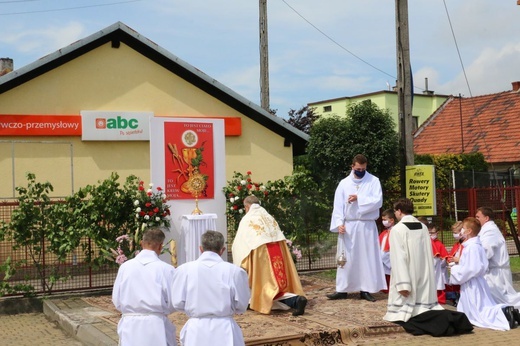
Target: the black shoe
(516, 316)
(367, 296)
(337, 295)
(301, 303)
(509, 312)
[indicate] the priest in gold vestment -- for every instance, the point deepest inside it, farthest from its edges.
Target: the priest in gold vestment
(261, 249)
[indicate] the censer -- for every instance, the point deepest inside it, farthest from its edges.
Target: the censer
(341, 260)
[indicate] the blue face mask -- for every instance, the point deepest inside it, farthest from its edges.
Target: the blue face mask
(359, 174)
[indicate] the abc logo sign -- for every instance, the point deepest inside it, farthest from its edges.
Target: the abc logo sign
(116, 123)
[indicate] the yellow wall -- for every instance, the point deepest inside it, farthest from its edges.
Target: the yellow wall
(120, 79)
(423, 105)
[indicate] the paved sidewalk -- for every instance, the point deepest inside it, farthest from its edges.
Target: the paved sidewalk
(30, 329)
(73, 322)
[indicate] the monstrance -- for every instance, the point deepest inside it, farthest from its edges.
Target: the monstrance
(196, 184)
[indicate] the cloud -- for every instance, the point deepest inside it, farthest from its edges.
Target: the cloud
(492, 71)
(34, 43)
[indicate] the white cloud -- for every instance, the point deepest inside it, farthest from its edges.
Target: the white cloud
(220, 37)
(492, 71)
(37, 42)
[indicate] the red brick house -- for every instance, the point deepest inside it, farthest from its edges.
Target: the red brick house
(489, 124)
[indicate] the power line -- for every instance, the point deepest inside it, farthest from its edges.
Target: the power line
(66, 8)
(337, 43)
(14, 1)
(472, 100)
(457, 47)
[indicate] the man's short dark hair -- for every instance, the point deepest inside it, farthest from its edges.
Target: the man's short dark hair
(486, 211)
(359, 158)
(153, 235)
(212, 241)
(405, 205)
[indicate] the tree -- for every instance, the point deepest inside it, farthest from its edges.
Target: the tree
(366, 130)
(302, 119)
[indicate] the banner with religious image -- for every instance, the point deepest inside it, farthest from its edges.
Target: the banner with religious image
(189, 166)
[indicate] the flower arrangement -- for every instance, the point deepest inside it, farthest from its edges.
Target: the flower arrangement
(125, 245)
(151, 210)
(296, 253)
(235, 191)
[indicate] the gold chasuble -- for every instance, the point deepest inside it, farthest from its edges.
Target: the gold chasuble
(260, 248)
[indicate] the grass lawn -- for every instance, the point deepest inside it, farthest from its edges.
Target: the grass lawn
(515, 264)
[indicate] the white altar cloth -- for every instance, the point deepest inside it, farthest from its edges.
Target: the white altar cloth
(192, 227)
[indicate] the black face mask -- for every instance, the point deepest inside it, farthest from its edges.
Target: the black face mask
(359, 174)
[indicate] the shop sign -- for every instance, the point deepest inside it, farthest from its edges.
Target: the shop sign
(40, 125)
(115, 126)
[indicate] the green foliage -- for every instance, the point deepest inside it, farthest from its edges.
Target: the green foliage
(515, 264)
(445, 163)
(9, 270)
(151, 210)
(33, 226)
(366, 130)
(296, 202)
(238, 188)
(91, 220)
(104, 212)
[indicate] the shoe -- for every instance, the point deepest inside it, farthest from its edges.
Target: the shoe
(367, 296)
(337, 295)
(301, 303)
(509, 312)
(516, 315)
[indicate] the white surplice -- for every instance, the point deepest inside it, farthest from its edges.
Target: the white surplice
(475, 296)
(498, 276)
(439, 265)
(142, 292)
(412, 270)
(210, 291)
(364, 268)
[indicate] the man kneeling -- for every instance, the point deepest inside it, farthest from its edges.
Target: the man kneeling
(261, 249)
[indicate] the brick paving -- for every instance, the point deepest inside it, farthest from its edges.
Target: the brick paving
(32, 329)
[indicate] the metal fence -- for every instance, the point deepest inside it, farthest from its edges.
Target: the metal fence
(319, 250)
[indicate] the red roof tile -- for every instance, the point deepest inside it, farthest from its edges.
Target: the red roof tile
(489, 124)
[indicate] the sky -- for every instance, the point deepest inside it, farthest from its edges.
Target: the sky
(318, 50)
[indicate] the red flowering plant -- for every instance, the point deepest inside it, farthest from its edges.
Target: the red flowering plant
(151, 210)
(238, 188)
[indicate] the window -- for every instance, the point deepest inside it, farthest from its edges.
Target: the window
(327, 109)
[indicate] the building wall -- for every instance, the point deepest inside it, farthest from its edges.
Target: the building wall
(423, 105)
(121, 79)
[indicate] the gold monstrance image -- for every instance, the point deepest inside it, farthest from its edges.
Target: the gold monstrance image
(196, 184)
(187, 163)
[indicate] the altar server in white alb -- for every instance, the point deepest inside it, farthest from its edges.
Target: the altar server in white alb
(475, 298)
(210, 291)
(498, 276)
(357, 202)
(412, 297)
(412, 282)
(142, 293)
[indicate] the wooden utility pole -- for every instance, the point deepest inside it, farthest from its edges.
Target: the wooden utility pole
(264, 57)
(404, 89)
